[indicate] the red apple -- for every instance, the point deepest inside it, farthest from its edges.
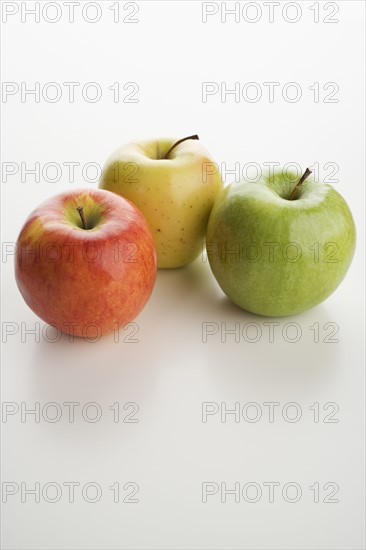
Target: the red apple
(86, 262)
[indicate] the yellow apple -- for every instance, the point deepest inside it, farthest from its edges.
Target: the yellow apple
(174, 183)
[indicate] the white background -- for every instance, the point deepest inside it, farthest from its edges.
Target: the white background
(169, 372)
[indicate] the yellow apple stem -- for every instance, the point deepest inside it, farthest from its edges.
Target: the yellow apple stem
(305, 175)
(82, 217)
(195, 136)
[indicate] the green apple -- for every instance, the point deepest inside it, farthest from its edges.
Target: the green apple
(277, 248)
(174, 184)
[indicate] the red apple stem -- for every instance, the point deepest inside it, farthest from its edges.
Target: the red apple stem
(305, 175)
(195, 136)
(82, 217)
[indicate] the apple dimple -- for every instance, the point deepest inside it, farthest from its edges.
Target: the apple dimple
(83, 211)
(166, 156)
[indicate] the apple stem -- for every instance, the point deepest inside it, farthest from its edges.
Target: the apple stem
(195, 136)
(82, 217)
(305, 175)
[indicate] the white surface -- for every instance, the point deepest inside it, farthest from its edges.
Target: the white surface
(170, 372)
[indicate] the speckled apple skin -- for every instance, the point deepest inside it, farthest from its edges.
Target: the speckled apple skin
(175, 195)
(86, 282)
(248, 217)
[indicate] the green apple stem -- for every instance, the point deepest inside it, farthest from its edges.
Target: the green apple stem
(81, 214)
(195, 136)
(305, 175)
